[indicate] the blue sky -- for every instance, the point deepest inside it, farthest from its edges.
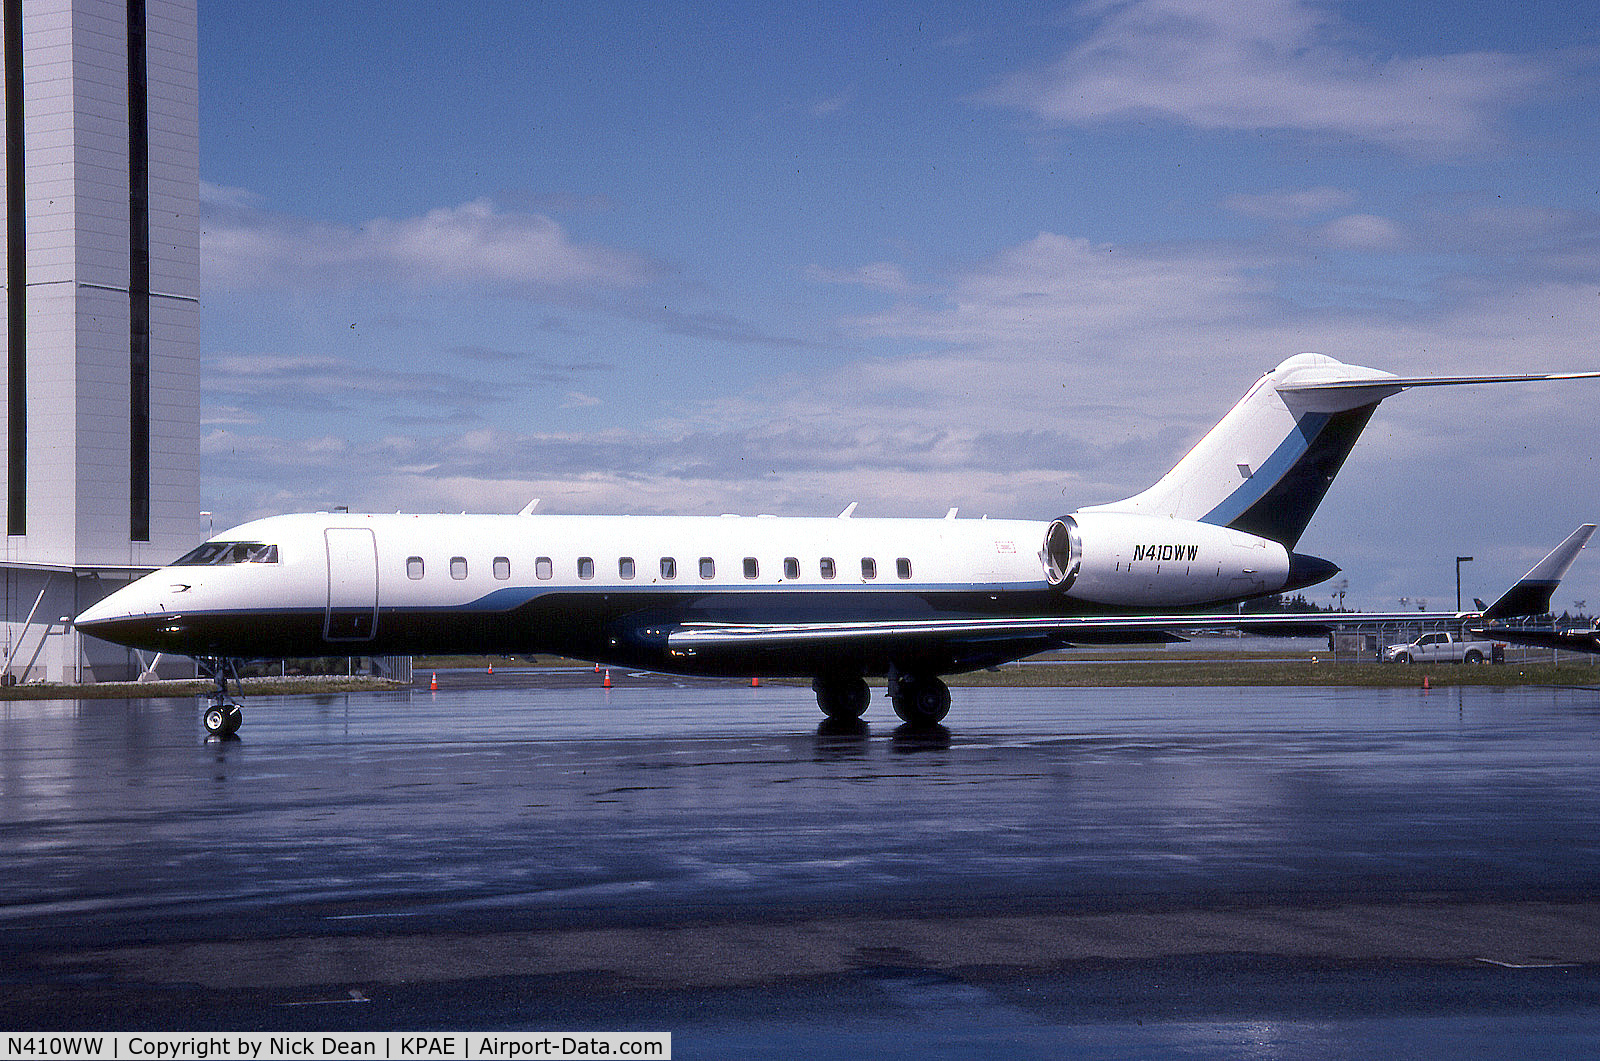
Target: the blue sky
(1010, 257)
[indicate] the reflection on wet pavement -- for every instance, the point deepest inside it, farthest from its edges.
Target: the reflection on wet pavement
(537, 802)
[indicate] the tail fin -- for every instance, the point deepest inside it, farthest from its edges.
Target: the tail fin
(1531, 595)
(1268, 464)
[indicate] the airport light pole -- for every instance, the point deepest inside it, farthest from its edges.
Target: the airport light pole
(1459, 561)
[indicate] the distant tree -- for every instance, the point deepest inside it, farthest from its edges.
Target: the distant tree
(1277, 603)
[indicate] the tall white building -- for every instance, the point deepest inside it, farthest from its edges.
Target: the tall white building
(99, 456)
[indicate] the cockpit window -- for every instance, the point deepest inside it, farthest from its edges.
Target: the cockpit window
(215, 554)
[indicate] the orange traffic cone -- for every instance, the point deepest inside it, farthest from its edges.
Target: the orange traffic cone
(433, 686)
(607, 683)
(755, 683)
(1425, 684)
(491, 668)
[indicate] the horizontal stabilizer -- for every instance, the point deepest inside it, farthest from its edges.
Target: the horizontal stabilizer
(1335, 395)
(1531, 595)
(1400, 383)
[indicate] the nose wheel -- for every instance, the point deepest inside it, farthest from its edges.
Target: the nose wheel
(222, 716)
(222, 720)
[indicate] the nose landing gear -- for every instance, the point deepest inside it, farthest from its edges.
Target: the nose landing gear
(222, 719)
(222, 716)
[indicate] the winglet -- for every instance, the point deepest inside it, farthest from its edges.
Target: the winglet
(1531, 595)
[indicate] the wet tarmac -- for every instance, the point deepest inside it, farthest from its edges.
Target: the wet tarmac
(1085, 872)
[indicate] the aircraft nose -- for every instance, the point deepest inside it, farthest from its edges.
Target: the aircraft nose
(121, 620)
(98, 614)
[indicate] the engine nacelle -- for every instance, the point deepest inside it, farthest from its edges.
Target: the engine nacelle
(1132, 560)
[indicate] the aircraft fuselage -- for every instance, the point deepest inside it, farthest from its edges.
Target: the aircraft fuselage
(611, 588)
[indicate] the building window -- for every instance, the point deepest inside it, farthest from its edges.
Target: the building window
(625, 567)
(752, 569)
(585, 567)
(669, 568)
(791, 567)
(869, 567)
(902, 567)
(458, 567)
(827, 567)
(708, 567)
(502, 567)
(413, 567)
(543, 568)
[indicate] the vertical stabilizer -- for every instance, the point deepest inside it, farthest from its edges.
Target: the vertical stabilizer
(1531, 595)
(1268, 464)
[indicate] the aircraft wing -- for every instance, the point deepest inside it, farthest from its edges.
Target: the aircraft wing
(1061, 631)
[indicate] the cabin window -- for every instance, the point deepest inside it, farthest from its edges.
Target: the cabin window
(869, 567)
(413, 567)
(669, 568)
(827, 567)
(543, 568)
(585, 567)
(625, 567)
(458, 567)
(708, 567)
(502, 567)
(752, 569)
(791, 567)
(902, 567)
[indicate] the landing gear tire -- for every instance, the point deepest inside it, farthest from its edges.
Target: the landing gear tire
(921, 701)
(842, 699)
(222, 716)
(222, 720)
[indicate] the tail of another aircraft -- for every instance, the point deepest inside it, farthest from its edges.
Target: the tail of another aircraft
(1268, 464)
(1531, 595)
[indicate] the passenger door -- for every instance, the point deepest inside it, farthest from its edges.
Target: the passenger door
(352, 613)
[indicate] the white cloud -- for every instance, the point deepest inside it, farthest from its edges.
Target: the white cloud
(472, 244)
(876, 276)
(1268, 64)
(1289, 205)
(1059, 296)
(1361, 232)
(833, 104)
(221, 196)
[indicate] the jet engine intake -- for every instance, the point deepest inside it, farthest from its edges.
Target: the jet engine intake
(1062, 554)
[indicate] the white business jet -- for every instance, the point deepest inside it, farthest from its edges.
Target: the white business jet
(833, 599)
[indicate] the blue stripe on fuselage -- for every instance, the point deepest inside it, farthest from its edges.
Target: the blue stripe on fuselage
(1289, 453)
(511, 597)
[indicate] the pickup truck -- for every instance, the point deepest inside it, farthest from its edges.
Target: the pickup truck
(1440, 648)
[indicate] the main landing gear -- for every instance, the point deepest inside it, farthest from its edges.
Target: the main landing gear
(222, 716)
(842, 699)
(919, 699)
